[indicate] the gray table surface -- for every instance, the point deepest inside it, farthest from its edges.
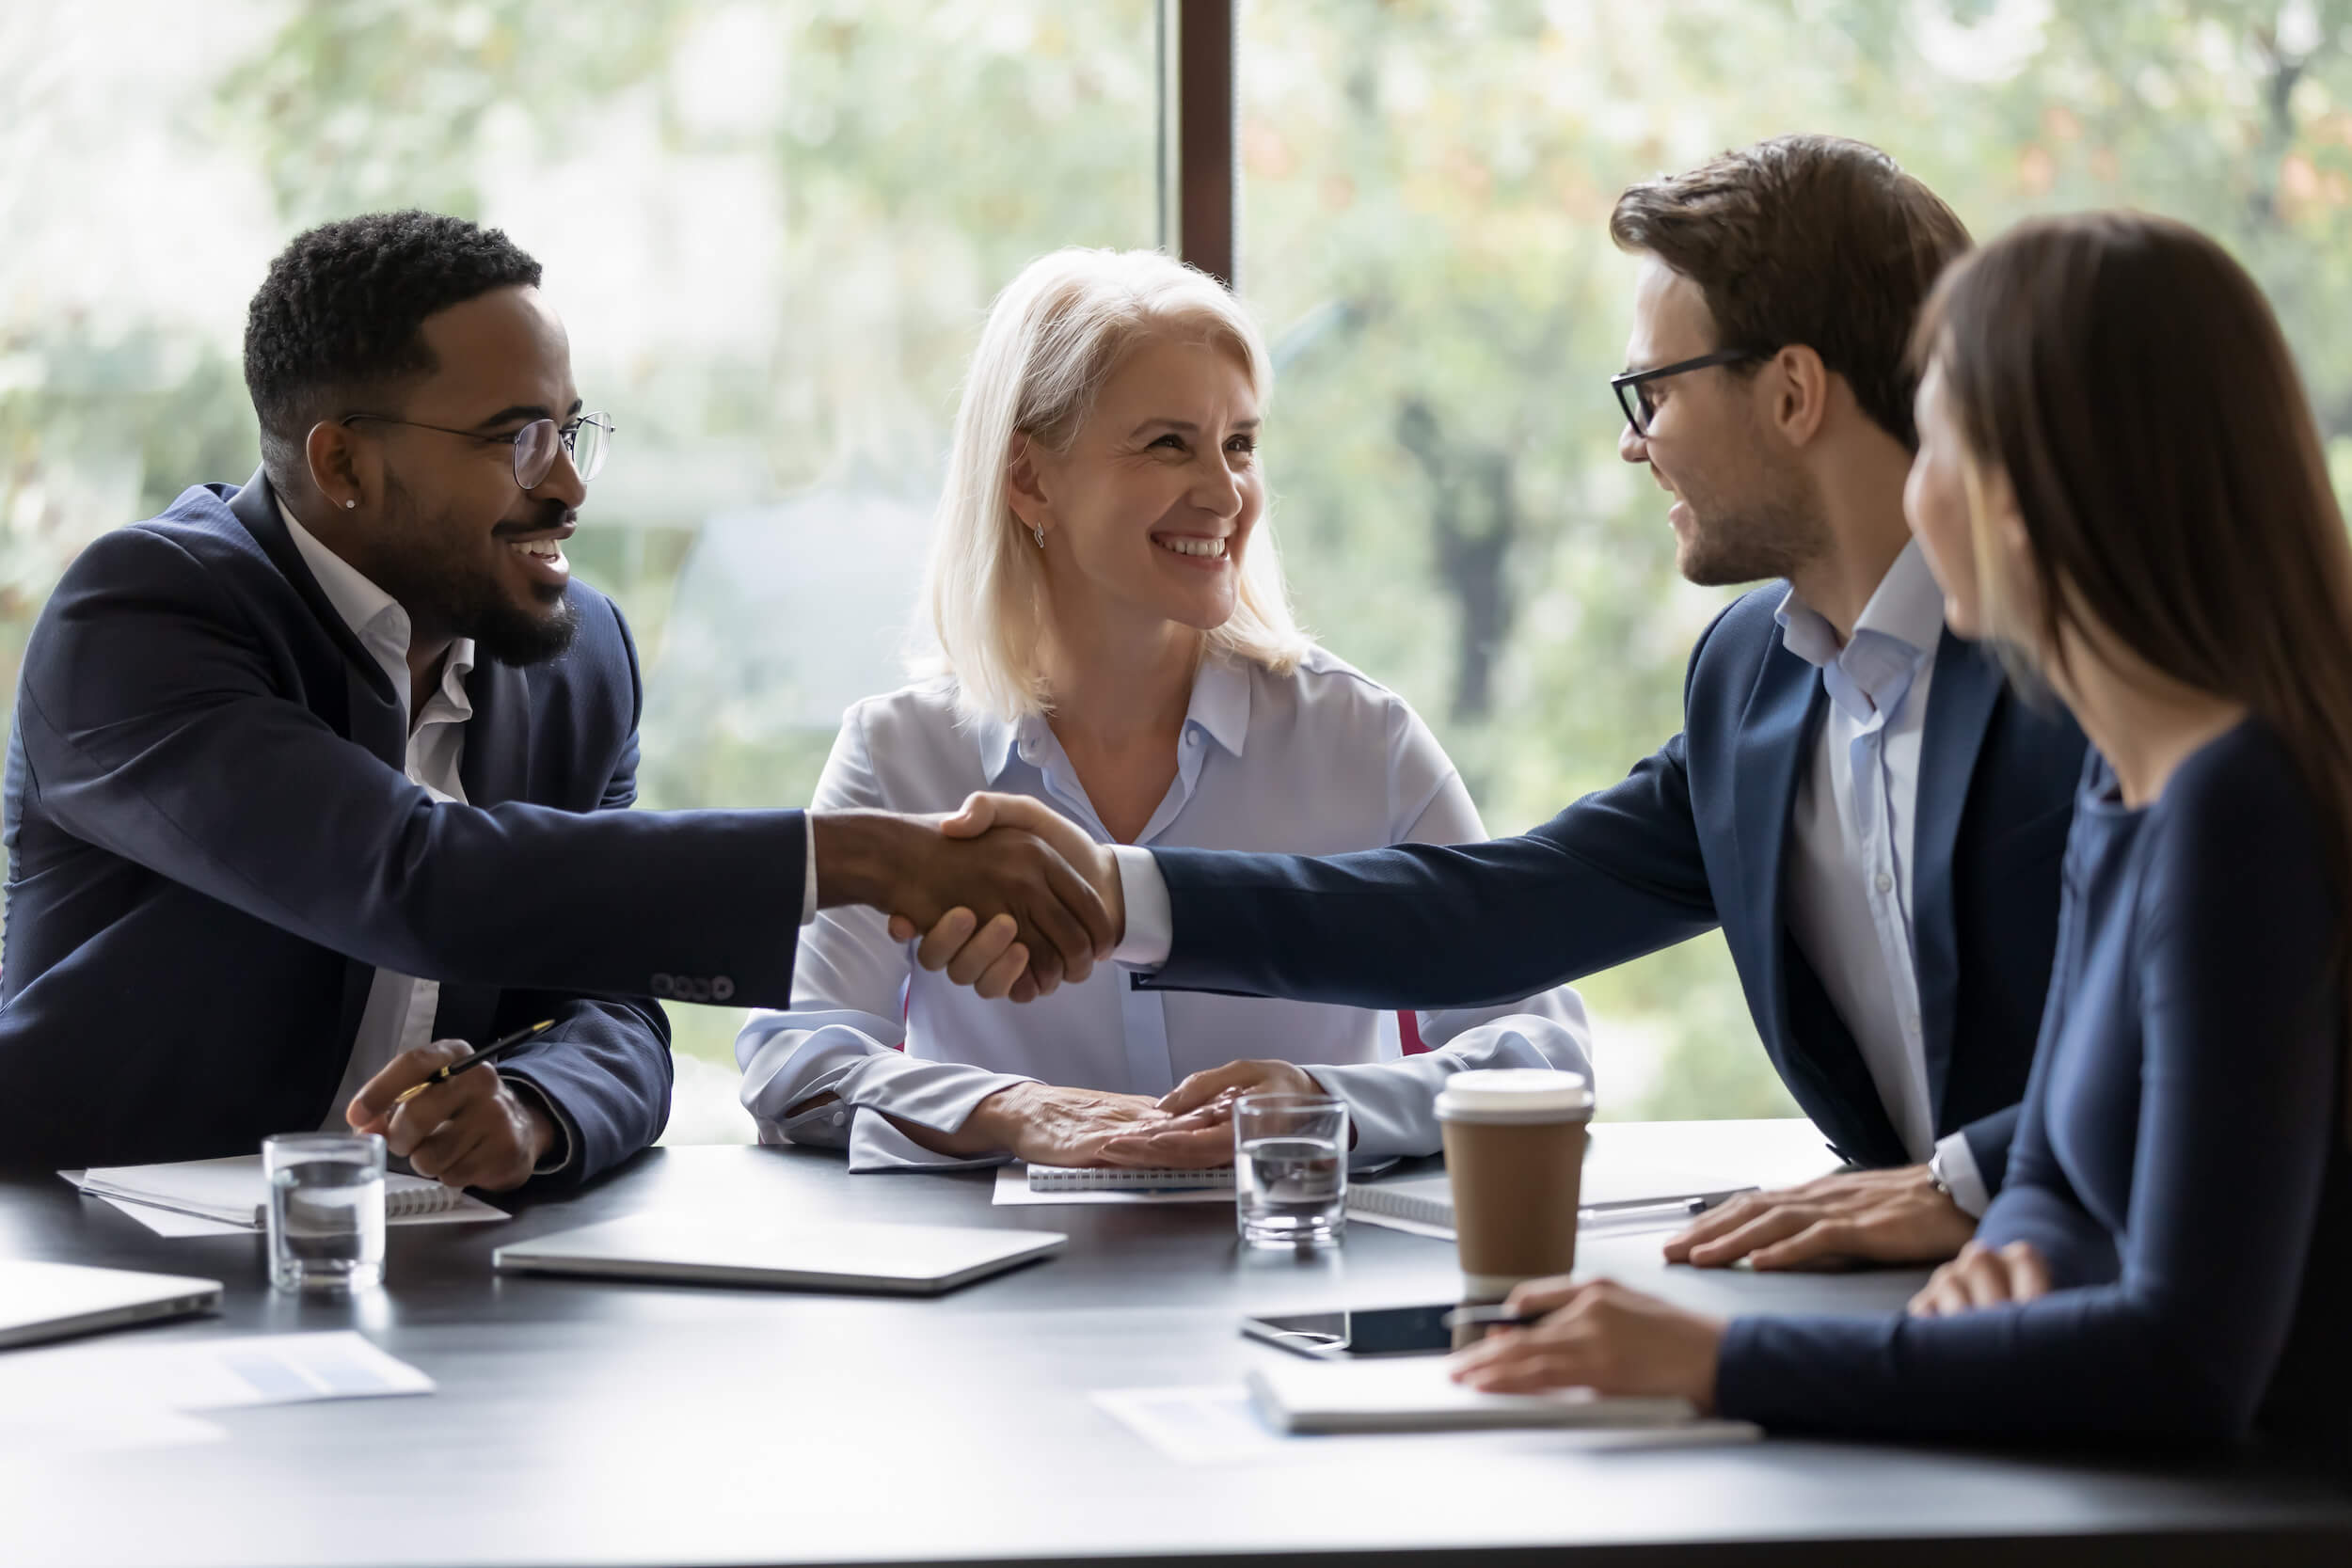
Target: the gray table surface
(601, 1423)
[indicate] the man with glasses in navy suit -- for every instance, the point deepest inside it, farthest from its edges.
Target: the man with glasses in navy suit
(1871, 817)
(316, 779)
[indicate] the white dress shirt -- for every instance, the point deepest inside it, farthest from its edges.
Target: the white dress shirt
(400, 1007)
(1320, 761)
(1855, 817)
(1850, 872)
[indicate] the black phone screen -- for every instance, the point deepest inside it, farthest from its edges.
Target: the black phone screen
(1381, 1331)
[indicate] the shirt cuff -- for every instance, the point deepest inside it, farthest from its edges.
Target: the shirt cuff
(1150, 924)
(1956, 1163)
(808, 876)
(560, 1154)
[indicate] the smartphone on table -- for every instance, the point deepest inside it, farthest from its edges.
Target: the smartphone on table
(1348, 1334)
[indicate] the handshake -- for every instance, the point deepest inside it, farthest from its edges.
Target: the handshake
(1009, 897)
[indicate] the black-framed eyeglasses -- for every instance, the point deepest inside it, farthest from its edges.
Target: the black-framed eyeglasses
(1632, 387)
(587, 439)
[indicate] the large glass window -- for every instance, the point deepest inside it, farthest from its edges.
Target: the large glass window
(1425, 197)
(773, 226)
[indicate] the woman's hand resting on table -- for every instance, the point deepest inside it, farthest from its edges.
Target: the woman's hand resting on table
(1599, 1335)
(1983, 1276)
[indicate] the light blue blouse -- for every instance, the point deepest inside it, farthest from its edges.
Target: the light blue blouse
(1319, 760)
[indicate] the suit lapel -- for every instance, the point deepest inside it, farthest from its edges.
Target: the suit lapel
(1961, 700)
(495, 767)
(497, 764)
(1776, 735)
(371, 715)
(1811, 1044)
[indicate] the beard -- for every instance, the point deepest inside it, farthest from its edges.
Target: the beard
(449, 598)
(1775, 532)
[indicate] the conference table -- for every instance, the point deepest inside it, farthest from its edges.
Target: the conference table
(599, 1422)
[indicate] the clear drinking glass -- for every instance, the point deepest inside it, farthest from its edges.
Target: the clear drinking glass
(1290, 1169)
(326, 1210)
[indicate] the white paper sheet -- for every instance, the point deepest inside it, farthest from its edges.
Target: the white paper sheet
(1012, 1191)
(1219, 1425)
(170, 1222)
(1395, 1222)
(90, 1381)
(176, 1222)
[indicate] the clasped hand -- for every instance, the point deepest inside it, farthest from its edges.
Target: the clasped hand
(1066, 913)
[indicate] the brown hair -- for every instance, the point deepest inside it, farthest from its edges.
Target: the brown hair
(2129, 378)
(1811, 240)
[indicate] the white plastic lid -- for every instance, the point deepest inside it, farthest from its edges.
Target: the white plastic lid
(1534, 1094)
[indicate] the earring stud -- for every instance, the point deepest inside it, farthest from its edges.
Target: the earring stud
(348, 505)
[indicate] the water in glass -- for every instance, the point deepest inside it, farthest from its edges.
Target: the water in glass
(326, 1217)
(1290, 1169)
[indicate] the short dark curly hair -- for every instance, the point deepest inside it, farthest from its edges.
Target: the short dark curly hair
(342, 310)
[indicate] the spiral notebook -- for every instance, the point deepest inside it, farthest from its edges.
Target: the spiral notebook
(1115, 1178)
(233, 1191)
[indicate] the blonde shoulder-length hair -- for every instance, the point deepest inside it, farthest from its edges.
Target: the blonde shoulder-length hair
(1054, 337)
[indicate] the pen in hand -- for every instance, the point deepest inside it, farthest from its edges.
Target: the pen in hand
(489, 1053)
(1490, 1317)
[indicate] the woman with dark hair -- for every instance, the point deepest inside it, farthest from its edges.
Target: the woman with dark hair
(2120, 487)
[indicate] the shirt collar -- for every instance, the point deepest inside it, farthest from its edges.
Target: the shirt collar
(1907, 606)
(1219, 709)
(1895, 631)
(374, 617)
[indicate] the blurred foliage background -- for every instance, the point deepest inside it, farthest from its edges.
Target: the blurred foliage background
(773, 227)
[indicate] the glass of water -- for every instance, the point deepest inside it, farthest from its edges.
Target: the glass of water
(326, 1210)
(1290, 1169)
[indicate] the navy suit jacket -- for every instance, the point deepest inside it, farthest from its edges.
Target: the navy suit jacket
(1696, 837)
(213, 845)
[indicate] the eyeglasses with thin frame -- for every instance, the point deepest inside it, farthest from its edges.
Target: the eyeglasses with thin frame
(1632, 387)
(587, 439)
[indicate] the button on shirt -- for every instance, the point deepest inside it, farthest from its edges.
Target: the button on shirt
(400, 1007)
(1850, 869)
(1318, 760)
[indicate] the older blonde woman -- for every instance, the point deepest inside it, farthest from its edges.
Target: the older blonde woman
(1116, 642)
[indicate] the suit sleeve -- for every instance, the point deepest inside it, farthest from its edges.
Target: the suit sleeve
(1391, 1103)
(155, 725)
(604, 1069)
(2240, 1018)
(1434, 928)
(1990, 1140)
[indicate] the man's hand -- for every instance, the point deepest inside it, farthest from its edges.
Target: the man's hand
(472, 1130)
(1870, 1216)
(984, 955)
(1982, 1276)
(1044, 1125)
(1599, 1335)
(1042, 919)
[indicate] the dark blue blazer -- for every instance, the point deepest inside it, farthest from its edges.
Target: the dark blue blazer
(213, 845)
(1696, 837)
(2181, 1161)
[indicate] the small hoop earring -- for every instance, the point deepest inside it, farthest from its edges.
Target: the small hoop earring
(1040, 537)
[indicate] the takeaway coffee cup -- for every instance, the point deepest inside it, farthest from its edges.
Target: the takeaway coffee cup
(1514, 1155)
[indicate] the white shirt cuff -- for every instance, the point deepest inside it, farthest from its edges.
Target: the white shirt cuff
(1956, 1163)
(808, 880)
(1150, 926)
